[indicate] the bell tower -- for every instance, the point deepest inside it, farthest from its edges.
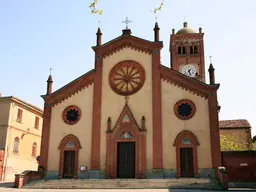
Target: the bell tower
(187, 52)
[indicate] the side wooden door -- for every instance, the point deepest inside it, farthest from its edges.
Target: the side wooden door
(69, 164)
(186, 162)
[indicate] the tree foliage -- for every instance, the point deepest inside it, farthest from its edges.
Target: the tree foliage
(254, 143)
(254, 139)
(254, 146)
(233, 142)
(94, 10)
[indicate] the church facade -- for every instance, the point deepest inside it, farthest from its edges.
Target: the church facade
(131, 117)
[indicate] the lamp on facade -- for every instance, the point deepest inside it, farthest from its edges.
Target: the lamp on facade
(219, 107)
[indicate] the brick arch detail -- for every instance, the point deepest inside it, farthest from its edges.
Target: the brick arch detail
(113, 137)
(194, 143)
(63, 148)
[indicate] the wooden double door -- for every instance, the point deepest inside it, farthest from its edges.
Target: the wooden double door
(126, 160)
(69, 164)
(186, 162)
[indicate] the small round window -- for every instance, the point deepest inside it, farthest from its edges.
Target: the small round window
(71, 114)
(184, 109)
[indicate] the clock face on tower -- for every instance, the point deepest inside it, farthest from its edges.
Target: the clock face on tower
(189, 70)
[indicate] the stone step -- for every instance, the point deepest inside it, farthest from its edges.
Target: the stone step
(124, 183)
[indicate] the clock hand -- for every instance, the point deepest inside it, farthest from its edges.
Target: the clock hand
(189, 71)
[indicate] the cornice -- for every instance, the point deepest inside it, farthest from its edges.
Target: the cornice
(190, 84)
(70, 89)
(124, 41)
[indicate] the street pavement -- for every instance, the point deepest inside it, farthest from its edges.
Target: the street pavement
(8, 187)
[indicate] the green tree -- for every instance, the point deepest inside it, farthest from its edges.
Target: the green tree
(254, 143)
(94, 10)
(254, 139)
(254, 146)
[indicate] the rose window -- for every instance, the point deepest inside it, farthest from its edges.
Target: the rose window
(71, 115)
(184, 109)
(127, 78)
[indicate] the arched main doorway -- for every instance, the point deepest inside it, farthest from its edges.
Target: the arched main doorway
(69, 153)
(126, 147)
(186, 154)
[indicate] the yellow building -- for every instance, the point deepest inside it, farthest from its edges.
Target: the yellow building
(132, 117)
(20, 136)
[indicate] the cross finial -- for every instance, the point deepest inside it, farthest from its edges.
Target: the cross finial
(50, 71)
(98, 23)
(126, 99)
(126, 21)
(210, 59)
(156, 18)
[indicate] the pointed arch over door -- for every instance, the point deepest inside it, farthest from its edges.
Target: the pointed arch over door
(69, 153)
(126, 137)
(186, 154)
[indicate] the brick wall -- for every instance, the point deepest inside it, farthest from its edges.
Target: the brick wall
(1, 163)
(240, 165)
(26, 177)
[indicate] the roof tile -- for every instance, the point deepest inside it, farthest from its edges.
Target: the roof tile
(237, 123)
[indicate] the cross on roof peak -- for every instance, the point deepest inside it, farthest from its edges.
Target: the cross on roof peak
(126, 99)
(126, 21)
(210, 59)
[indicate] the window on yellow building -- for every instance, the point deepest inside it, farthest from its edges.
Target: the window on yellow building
(37, 122)
(19, 115)
(16, 145)
(34, 146)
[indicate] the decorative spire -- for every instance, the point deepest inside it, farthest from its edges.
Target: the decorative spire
(99, 34)
(143, 123)
(156, 29)
(200, 30)
(109, 125)
(49, 83)
(211, 72)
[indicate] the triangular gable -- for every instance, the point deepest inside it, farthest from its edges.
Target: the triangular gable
(70, 89)
(126, 117)
(188, 83)
(127, 41)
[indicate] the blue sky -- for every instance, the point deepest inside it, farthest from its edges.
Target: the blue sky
(58, 34)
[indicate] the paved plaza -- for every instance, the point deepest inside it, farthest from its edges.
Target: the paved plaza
(8, 187)
(114, 190)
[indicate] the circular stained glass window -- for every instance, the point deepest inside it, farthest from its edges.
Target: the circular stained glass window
(184, 109)
(71, 114)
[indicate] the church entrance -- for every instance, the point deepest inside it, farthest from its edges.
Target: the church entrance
(186, 162)
(69, 164)
(126, 160)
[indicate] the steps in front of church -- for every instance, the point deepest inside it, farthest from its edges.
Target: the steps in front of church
(184, 183)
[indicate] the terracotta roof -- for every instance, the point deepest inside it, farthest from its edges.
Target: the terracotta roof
(21, 101)
(237, 123)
